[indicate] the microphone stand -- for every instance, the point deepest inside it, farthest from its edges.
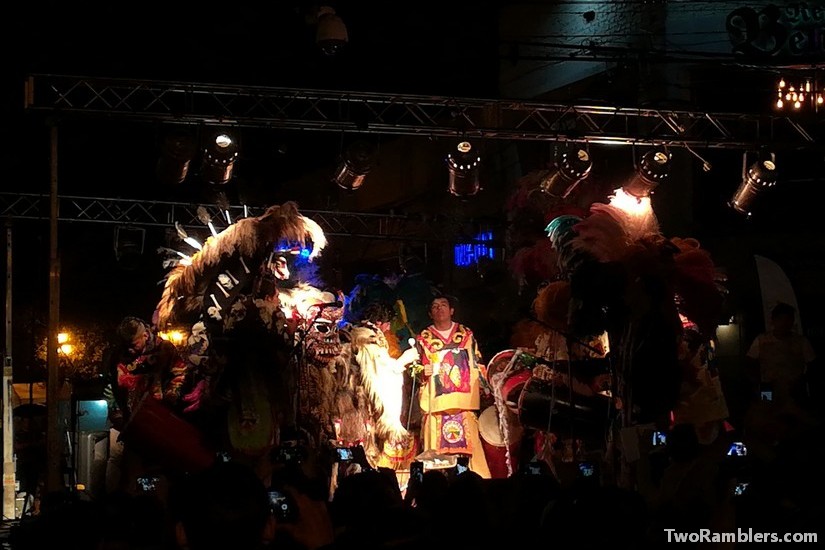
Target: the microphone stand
(410, 404)
(412, 389)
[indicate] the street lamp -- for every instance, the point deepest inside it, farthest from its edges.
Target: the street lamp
(63, 344)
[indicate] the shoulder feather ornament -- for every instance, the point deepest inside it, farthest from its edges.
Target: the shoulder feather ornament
(248, 240)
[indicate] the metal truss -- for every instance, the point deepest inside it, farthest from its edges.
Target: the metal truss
(395, 114)
(145, 213)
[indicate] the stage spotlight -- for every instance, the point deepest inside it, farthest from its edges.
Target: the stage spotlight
(331, 34)
(653, 170)
(175, 157)
(759, 176)
(219, 157)
(572, 166)
(355, 164)
(463, 165)
(129, 243)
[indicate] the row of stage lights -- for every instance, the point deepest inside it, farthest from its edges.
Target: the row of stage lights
(572, 166)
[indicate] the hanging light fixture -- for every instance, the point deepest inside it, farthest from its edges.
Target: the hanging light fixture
(572, 166)
(652, 170)
(219, 155)
(176, 156)
(463, 166)
(129, 243)
(355, 165)
(805, 94)
(761, 175)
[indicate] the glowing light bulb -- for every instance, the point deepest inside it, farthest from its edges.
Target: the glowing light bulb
(787, 97)
(819, 100)
(801, 97)
(807, 85)
(781, 82)
(797, 105)
(779, 103)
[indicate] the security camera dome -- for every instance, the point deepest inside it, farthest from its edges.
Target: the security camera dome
(331, 34)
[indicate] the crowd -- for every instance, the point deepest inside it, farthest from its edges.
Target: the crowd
(690, 487)
(764, 474)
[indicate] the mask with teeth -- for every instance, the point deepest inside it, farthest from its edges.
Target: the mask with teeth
(323, 343)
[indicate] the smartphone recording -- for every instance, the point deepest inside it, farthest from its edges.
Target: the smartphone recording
(147, 484)
(282, 506)
(344, 454)
(586, 469)
(659, 439)
(417, 471)
(737, 448)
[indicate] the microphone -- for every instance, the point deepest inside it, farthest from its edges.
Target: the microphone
(337, 303)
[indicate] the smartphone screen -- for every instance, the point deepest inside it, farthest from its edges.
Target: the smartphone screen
(766, 392)
(417, 471)
(659, 439)
(462, 465)
(534, 469)
(344, 454)
(147, 484)
(737, 448)
(740, 489)
(586, 469)
(281, 506)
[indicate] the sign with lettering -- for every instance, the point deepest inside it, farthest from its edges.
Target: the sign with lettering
(794, 29)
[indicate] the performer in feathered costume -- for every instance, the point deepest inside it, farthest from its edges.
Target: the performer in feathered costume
(626, 278)
(222, 269)
(241, 339)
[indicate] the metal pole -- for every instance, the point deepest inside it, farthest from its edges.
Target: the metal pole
(9, 481)
(54, 481)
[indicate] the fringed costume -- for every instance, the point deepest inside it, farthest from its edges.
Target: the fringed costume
(241, 338)
(382, 377)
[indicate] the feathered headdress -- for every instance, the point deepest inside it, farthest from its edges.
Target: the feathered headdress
(228, 262)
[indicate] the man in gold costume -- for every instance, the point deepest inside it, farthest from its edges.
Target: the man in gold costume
(449, 395)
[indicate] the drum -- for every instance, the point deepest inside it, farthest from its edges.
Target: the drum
(494, 445)
(512, 387)
(516, 364)
(502, 360)
(542, 406)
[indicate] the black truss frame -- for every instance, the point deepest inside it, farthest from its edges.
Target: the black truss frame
(397, 114)
(148, 213)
